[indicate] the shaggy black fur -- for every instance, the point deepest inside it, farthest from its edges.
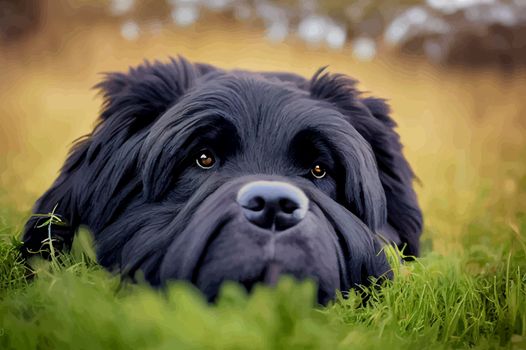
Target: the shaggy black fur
(135, 184)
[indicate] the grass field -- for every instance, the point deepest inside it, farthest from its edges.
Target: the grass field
(465, 137)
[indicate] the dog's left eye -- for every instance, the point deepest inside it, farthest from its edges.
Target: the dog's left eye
(318, 171)
(205, 159)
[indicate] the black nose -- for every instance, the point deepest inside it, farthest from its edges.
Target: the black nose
(273, 204)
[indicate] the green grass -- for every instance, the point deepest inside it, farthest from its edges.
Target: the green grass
(476, 298)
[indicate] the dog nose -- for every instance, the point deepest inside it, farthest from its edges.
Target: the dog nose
(273, 204)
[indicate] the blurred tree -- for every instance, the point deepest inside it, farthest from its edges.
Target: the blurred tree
(452, 31)
(18, 17)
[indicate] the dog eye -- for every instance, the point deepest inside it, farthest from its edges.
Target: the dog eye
(205, 160)
(318, 171)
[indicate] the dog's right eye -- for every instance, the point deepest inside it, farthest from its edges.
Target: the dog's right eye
(205, 159)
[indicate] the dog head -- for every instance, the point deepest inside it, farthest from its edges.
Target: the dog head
(206, 175)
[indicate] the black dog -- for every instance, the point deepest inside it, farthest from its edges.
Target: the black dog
(207, 175)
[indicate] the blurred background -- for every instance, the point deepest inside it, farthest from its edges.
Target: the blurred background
(454, 72)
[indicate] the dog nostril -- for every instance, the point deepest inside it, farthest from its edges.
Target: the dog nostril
(255, 204)
(288, 206)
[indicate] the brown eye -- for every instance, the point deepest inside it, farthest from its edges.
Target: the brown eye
(318, 171)
(205, 160)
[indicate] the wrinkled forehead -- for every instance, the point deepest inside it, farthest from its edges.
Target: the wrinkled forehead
(265, 114)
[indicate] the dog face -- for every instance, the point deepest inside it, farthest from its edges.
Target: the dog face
(205, 175)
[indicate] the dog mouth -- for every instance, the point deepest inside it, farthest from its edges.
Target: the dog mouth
(264, 268)
(236, 251)
(221, 244)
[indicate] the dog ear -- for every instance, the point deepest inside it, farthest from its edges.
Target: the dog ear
(370, 117)
(100, 174)
(404, 213)
(146, 91)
